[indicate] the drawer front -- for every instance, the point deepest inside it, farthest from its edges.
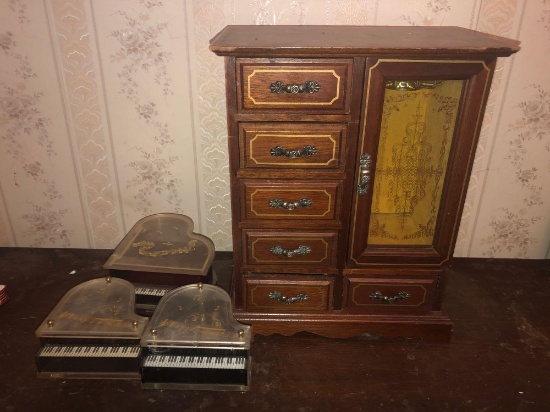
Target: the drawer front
(313, 85)
(390, 294)
(296, 294)
(296, 199)
(316, 249)
(292, 145)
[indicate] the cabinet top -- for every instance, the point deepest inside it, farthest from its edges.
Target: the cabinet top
(380, 41)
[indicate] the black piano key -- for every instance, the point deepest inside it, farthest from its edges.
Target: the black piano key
(91, 359)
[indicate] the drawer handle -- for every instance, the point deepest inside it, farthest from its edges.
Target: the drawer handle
(389, 299)
(301, 250)
(293, 153)
(279, 204)
(300, 297)
(364, 175)
(280, 87)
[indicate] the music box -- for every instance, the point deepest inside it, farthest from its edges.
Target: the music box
(92, 333)
(160, 253)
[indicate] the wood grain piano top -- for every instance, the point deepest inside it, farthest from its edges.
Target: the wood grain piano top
(382, 41)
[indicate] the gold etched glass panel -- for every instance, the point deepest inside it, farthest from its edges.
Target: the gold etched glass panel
(416, 135)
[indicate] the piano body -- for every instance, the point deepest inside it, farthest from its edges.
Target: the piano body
(159, 253)
(93, 332)
(193, 342)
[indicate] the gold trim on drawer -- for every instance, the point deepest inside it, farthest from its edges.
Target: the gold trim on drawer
(318, 291)
(287, 146)
(311, 250)
(403, 292)
(295, 212)
(295, 71)
(394, 286)
(309, 136)
(307, 241)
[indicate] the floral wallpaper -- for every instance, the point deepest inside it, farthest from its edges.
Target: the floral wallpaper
(140, 50)
(26, 126)
(512, 228)
(111, 111)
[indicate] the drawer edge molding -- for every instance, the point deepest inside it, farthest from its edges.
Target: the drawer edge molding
(387, 302)
(312, 146)
(300, 251)
(281, 293)
(326, 103)
(321, 214)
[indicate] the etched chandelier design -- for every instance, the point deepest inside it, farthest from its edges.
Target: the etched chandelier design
(416, 136)
(410, 169)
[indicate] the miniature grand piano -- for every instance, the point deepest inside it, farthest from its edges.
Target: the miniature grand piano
(193, 342)
(159, 253)
(93, 332)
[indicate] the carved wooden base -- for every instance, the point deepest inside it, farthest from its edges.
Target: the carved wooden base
(433, 327)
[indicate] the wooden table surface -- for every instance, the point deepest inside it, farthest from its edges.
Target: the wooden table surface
(498, 359)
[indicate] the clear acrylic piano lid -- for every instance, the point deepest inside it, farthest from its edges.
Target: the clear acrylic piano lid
(98, 308)
(198, 315)
(163, 243)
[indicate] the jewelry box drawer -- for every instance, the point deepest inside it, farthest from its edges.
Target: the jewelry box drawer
(390, 294)
(292, 145)
(280, 293)
(294, 85)
(314, 249)
(297, 199)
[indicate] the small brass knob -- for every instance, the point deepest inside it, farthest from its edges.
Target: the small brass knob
(135, 323)
(199, 285)
(154, 332)
(241, 333)
(108, 279)
(50, 323)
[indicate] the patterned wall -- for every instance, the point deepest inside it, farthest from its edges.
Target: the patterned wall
(114, 110)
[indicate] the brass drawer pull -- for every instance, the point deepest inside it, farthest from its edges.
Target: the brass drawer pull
(280, 87)
(389, 299)
(279, 204)
(293, 153)
(300, 297)
(364, 175)
(301, 250)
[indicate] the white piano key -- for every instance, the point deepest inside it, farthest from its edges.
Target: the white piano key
(90, 351)
(195, 362)
(151, 291)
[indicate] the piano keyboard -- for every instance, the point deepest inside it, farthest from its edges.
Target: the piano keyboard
(148, 297)
(151, 291)
(196, 368)
(59, 351)
(198, 362)
(89, 361)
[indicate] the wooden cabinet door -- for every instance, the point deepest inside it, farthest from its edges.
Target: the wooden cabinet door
(417, 142)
